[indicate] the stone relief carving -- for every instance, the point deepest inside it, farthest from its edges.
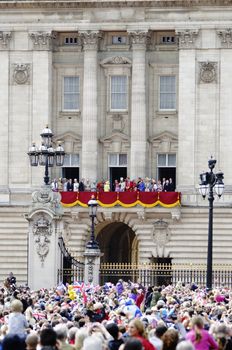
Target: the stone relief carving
(118, 123)
(187, 38)
(139, 38)
(176, 213)
(45, 197)
(42, 40)
(90, 263)
(108, 214)
(208, 72)
(90, 39)
(42, 230)
(141, 214)
(225, 36)
(118, 60)
(21, 73)
(5, 38)
(66, 233)
(161, 236)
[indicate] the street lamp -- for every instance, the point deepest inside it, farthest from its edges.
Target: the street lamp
(46, 155)
(92, 204)
(210, 180)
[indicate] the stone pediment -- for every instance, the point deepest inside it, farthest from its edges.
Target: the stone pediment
(165, 142)
(166, 135)
(70, 136)
(116, 142)
(116, 136)
(116, 60)
(70, 141)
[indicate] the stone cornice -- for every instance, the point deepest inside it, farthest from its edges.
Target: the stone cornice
(55, 4)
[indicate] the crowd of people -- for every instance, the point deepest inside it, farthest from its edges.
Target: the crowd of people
(121, 185)
(125, 316)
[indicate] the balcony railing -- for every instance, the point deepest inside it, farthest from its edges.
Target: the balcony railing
(124, 199)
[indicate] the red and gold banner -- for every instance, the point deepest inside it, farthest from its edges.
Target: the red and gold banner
(125, 199)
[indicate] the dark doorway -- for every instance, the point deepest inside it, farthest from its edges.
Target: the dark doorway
(116, 241)
(70, 173)
(116, 173)
(167, 173)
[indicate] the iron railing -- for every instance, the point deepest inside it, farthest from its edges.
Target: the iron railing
(164, 274)
(71, 269)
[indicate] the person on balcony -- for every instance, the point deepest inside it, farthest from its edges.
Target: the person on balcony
(75, 186)
(107, 186)
(70, 185)
(122, 184)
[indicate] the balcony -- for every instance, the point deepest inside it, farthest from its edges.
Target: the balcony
(123, 199)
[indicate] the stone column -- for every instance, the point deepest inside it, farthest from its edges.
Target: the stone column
(89, 159)
(41, 44)
(225, 127)
(92, 266)
(44, 255)
(4, 107)
(138, 161)
(186, 176)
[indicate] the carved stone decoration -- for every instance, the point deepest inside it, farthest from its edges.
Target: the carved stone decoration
(118, 124)
(108, 214)
(46, 198)
(42, 230)
(225, 36)
(90, 39)
(161, 236)
(42, 40)
(118, 60)
(139, 38)
(208, 72)
(90, 263)
(5, 38)
(176, 213)
(21, 73)
(187, 38)
(66, 233)
(141, 214)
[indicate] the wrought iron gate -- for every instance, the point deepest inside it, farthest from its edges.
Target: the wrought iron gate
(71, 269)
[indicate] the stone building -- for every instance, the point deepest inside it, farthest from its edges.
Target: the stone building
(131, 88)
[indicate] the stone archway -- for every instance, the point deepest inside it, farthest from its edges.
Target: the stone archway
(118, 243)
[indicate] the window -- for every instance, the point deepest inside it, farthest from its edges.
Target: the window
(167, 40)
(166, 160)
(168, 92)
(118, 92)
(71, 160)
(117, 159)
(70, 40)
(71, 93)
(118, 40)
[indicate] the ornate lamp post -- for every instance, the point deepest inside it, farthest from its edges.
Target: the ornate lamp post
(209, 181)
(46, 155)
(92, 204)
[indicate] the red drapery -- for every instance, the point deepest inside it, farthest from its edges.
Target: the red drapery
(125, 199)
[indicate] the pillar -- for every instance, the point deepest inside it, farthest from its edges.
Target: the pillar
(4, 107)
(89, 159)
(138, 107)
(92, 266)
(41, 44)
(186, 176)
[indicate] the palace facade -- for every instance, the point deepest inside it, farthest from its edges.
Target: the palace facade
(130, 88)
